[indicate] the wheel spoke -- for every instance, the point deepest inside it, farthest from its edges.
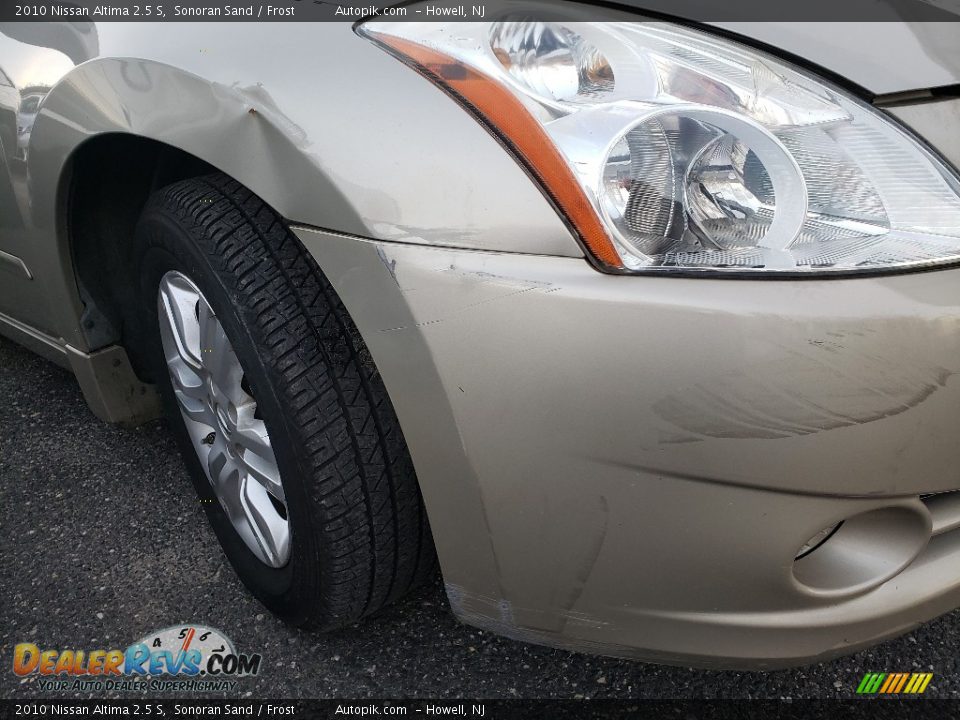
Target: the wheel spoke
(271, 530)
(178, 304)
(219, 359)
(180, 336)
(190, 391)
(196, 410)
(265, 472)
(186, 380)
(257, 452)
(253, 438)
(222, 468)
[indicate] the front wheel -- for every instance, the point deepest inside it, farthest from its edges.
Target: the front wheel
(282, 418)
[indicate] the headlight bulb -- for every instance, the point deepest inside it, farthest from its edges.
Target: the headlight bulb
(700, 186)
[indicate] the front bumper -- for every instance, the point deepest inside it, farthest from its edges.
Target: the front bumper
(629, 465)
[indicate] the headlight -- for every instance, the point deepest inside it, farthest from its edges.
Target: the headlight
(666, 148)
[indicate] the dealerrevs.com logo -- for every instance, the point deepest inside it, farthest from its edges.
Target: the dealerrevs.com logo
(183, 658)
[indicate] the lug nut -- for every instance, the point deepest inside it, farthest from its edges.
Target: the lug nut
(208, 440)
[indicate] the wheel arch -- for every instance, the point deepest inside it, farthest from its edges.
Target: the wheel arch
(100, 126)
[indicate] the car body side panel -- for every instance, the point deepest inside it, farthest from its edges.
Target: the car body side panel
(332, 132)
(20, 294)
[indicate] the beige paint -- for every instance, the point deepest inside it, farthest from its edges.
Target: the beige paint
(615, 464)
(606, 468)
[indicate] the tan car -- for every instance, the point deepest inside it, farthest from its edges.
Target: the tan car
(657, 324)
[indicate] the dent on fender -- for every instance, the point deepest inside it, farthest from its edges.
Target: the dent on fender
(343, 167)
(317, 151)
(237, 128)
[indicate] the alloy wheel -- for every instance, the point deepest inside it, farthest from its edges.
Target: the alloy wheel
(222, 419)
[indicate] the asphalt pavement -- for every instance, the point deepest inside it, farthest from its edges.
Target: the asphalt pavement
(102, 540)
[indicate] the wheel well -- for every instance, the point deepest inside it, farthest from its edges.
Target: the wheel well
(111, 178)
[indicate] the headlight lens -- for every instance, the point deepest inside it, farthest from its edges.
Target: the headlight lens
(551, 61)
(668, 149)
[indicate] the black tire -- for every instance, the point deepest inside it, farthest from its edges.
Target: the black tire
(360, 537)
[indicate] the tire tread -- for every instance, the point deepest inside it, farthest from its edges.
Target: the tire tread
(372, 529)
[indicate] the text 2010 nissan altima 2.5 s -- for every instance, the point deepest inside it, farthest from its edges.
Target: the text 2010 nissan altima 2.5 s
(631, 311)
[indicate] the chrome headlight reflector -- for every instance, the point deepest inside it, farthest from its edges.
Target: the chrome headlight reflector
(670, 149)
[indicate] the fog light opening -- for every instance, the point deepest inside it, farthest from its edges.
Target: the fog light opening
(863, 551)
(817, 540)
